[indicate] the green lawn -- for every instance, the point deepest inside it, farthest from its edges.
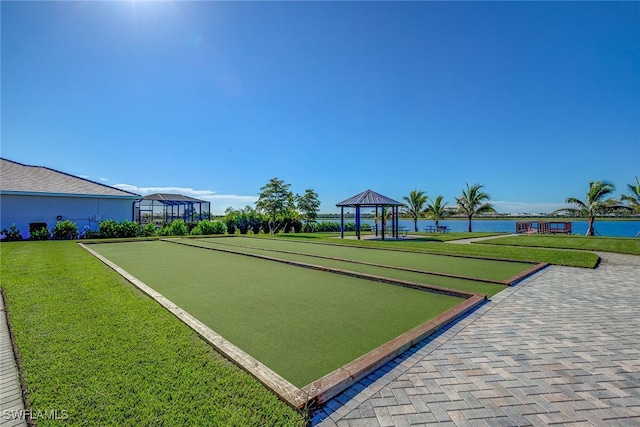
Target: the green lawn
(93, 345)
(588, 243)
(299, 322)
(571, 258)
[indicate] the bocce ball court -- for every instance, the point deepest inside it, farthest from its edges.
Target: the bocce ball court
(305, 329)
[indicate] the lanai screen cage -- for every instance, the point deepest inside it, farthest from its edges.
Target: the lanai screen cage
(164, 208)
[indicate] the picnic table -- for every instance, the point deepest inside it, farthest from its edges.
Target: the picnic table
(437, 229)
(402, 231)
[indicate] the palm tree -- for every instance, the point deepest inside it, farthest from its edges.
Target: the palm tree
(472, 202)
(436, 210)
(415, 205)
(594, 204)
(634, 199)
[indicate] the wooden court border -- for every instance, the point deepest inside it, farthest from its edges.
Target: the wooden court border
(323, 389)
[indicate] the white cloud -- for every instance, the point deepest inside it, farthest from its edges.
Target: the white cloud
(219, 202)
(524, 207)
(104, 179)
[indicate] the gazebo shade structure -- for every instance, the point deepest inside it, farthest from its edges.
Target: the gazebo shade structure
(163, 208)
(371, 199)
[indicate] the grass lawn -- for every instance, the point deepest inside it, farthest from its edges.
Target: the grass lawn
(569, 258)
(589, 243)
(299, 322)
(93, 345)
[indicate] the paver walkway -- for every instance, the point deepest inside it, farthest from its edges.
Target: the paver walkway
(10, 391)
(562, 347)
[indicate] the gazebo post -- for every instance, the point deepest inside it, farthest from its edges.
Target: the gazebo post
(395, 222)
(342, 222)
(376, 221)
(358, 222)
(383, 219)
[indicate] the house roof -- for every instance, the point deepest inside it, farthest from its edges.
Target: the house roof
(370, 199)
(25, 179)
(172, 198)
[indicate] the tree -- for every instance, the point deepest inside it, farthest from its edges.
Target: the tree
(594, 204)
(308, 205)
(633, 200)
(415, 205)
(436, 210)
(473, 201)
(275, 201)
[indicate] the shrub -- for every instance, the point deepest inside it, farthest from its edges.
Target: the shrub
(129, 229)
(190, 226)
(178, 228)
(149, 230)
(243, 223)
(40, 234)
(231, 224)
(296, 225)
(326, 226)
(348, 226)
(12, 234)
(255, 222)
(91, 234)
(109, 229)
(207, 227)
(65, 230)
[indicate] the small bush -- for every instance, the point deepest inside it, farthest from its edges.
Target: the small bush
(109, 229)
(12, 234)
(255, 222)
(149, 230)
(91, 234)
(231, 225)
(40, 234)
(207, 227)
(178, 228)
(190, 226)
(65, 230)
(326, 226)
(129, 229)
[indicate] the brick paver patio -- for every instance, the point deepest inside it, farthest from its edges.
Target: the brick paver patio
(562, 347)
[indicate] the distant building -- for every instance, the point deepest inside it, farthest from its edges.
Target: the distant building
(37, 195)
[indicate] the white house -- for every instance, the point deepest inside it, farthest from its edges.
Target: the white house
(40, 195)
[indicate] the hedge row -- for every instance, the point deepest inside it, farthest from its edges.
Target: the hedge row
(109, 229)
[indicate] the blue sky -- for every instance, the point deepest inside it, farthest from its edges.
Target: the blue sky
(213, 99)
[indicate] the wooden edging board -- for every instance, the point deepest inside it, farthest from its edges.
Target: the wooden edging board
(324, 388)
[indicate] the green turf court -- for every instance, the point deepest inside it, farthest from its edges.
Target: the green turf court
(462, 284)
(301, 323)
(500, 270)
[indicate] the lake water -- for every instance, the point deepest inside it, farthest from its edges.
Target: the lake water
(628, 228)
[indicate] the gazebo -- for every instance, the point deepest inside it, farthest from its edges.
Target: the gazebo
(164, 208)
(371, 199)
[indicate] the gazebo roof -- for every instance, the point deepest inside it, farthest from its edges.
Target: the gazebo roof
(369, 198)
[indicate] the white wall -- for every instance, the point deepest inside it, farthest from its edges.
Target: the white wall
(23, 209)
